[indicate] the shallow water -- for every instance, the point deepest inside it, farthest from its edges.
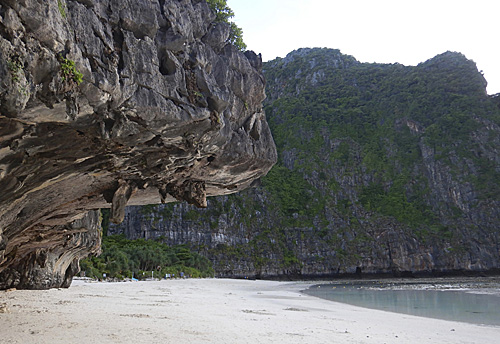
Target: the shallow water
(471, 302)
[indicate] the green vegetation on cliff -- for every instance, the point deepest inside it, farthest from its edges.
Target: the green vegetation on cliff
(382, 168)
(224, 15)
(327, 110)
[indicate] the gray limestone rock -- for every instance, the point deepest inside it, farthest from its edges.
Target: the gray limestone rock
(109, 103)
(335, 229)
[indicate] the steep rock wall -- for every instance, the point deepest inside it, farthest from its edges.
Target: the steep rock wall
(382, 169)
(108, 103)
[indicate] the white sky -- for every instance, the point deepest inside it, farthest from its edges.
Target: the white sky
(385, 31)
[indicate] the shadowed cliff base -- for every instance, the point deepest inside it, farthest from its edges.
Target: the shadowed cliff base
(417, 275)
(113, 103)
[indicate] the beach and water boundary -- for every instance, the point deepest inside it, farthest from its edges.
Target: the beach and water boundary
(471, 300)
(212, 311)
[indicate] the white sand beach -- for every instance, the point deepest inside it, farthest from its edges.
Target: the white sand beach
(211, 311)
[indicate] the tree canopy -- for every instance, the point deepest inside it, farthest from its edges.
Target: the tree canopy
(224, 15)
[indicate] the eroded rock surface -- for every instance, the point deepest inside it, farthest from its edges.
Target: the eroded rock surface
(377, 175)
(164, 109)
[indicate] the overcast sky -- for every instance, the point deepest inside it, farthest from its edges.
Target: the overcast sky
(385, 31)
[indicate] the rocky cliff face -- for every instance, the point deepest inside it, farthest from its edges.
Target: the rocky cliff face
(382, 169)
(108, 103)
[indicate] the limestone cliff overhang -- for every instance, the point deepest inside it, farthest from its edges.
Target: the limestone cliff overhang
(108, 103)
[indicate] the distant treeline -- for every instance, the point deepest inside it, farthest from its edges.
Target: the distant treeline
(122, 258)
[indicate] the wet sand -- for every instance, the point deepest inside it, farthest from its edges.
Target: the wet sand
(211, 311)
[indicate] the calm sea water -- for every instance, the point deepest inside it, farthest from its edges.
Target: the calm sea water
(474, 302)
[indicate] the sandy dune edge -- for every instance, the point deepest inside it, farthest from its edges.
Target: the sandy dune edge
(211, 311)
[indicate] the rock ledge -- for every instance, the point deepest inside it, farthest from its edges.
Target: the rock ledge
(114, 103)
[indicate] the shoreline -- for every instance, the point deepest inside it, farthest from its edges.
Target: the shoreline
(465, 300)
(212, 311)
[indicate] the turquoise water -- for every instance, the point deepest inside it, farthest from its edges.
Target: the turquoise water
(472, 304)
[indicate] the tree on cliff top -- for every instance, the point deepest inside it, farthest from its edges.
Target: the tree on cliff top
(223, 15)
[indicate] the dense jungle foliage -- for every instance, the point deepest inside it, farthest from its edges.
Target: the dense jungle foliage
(122, 258)
(374, 119)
